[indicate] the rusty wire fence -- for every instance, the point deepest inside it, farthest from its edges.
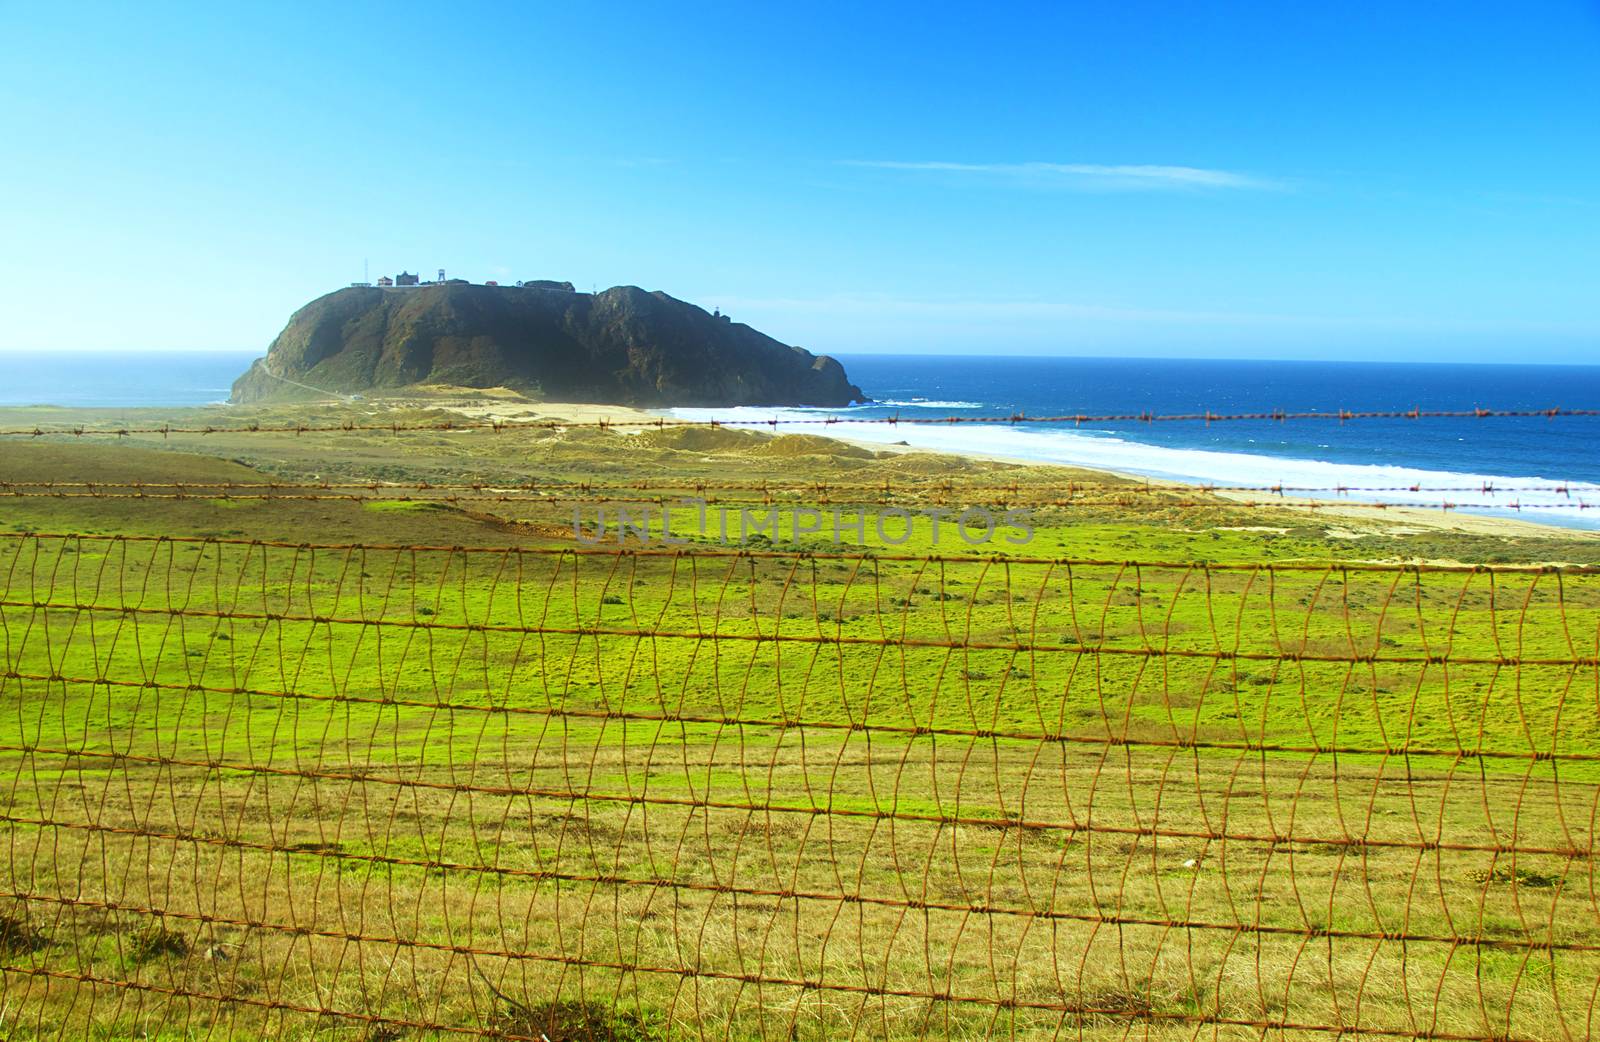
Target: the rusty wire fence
(347, 424)
(256, 789)
(383, 791)
(665, 494)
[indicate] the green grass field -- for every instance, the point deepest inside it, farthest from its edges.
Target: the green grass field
(1165, 770)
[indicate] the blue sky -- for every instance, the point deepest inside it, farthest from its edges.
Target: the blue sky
(1409, 181)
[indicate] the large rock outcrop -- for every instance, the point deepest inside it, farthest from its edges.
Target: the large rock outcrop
(621, 346)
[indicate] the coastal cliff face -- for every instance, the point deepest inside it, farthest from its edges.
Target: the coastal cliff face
(621, 346)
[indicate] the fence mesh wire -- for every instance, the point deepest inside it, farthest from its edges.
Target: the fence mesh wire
(258, 789)
(117, 427)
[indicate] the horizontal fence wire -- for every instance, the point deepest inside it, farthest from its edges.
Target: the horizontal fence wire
(506, 498)
(303, 790)
(1133, 495)
(754, 486)
(1329, 568)
(775, 422)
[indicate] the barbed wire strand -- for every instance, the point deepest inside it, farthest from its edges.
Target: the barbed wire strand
(1130, 499)
(1068, 486)
(775, 422)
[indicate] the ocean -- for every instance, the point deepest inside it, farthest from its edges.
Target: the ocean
(120, 379)
(1377, 460)
(1521, 459)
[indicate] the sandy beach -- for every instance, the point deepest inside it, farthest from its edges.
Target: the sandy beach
(1355, 521)
(501, 404)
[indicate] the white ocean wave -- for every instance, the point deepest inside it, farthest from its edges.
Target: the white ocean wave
(926, 403)
(1510, 496)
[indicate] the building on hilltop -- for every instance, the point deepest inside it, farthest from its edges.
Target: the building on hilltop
(406, 280)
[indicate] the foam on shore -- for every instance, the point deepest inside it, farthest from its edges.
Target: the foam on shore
(1482, 494)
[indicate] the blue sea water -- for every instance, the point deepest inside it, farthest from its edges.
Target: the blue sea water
(1519, 458)
(1567, 448)
(119, 379)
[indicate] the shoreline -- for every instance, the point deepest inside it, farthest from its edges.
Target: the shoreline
(1359, 521)
(1352, 519)
(1388, 520)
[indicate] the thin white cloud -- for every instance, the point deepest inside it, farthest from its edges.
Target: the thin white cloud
(990, 313)
(861, 305)
(1147, 177)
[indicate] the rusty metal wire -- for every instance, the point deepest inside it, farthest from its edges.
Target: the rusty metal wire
(1132, 496)
(272, 789)
(1330, 568)
(775, 422)
(886, 487)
